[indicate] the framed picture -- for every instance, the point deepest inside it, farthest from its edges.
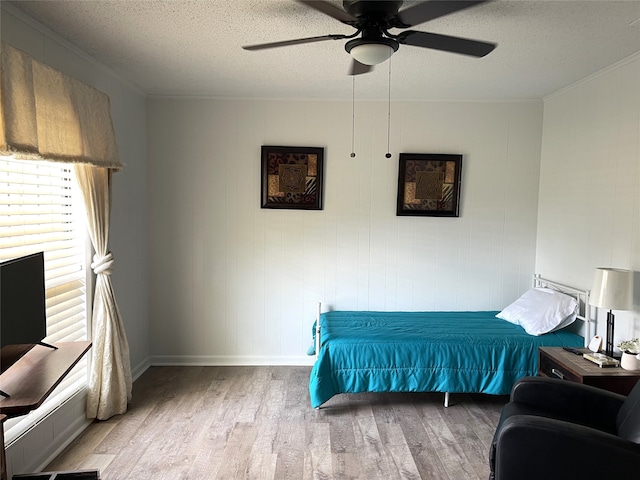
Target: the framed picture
(429, 184)
(292, 177)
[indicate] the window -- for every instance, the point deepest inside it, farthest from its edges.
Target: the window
(41, 209)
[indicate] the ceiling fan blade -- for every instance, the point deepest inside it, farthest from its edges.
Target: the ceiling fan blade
(331, 10)
(429, 10)
(358, 68)
(298, 41)
(464, 46)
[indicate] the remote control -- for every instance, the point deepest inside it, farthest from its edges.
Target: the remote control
(572, 350)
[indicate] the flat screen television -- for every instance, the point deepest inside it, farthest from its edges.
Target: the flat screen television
(23, 316)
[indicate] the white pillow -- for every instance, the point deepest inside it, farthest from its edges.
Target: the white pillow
(541, 310)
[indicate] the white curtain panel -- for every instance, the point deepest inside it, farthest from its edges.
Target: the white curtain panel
(110, 376)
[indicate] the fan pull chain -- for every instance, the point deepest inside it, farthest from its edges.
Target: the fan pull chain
(353, 114)
(388, 154)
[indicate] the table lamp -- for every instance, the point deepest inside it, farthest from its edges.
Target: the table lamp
(612, 289)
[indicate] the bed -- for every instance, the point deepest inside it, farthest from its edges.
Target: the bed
(449, 352)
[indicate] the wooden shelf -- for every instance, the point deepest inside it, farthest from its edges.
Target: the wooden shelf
(32, 378)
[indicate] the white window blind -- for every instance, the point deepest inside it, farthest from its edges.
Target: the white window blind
(41, 210)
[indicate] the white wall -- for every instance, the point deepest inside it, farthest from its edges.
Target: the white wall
(233, 283)
(589, 213)
(129, 233)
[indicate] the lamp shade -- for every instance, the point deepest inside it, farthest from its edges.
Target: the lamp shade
(371, 53)
(612, 289)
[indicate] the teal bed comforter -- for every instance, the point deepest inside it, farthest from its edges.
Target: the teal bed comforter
(470, 352)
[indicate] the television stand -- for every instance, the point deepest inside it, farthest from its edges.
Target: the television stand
(32, 379)
(44, 344)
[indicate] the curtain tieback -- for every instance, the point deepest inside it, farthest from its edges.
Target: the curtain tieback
(102, 264)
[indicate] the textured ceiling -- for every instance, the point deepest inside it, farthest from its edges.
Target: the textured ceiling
(194, 47)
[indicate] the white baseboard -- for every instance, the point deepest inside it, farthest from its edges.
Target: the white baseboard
(228, 360)
(139, 369)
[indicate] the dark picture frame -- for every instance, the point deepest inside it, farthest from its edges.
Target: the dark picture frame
(429, 184)
(292, 177)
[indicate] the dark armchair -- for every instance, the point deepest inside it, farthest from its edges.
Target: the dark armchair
(555, 429)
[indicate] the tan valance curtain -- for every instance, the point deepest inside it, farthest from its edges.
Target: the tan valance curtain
(47, 115)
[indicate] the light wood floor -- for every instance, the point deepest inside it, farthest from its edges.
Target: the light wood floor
(257, 423)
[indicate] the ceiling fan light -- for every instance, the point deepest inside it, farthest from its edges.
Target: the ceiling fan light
(371, 53)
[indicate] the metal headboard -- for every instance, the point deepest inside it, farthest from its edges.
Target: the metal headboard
(581, 295)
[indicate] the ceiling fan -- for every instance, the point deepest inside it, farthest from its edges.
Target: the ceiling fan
(372, 43)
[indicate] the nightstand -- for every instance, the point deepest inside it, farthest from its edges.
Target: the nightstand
(556, 362)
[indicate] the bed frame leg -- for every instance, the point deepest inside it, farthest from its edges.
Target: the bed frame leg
(446, 399)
